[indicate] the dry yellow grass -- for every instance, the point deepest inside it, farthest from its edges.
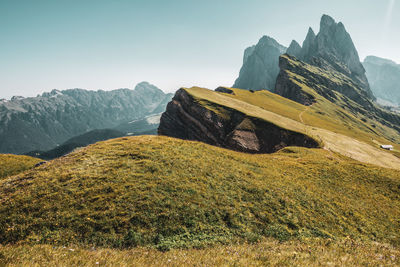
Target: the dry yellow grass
(319, 252)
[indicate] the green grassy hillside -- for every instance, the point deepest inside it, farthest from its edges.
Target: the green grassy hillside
(337, 129)
(166, 193)
(13, 164)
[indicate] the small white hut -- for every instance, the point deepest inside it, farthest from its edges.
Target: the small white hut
(387, 147)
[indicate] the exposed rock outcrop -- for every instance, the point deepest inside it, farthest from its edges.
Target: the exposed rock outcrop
(187, 119)
(260, 65)
(224, 90)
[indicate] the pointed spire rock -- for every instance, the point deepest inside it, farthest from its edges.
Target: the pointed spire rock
(326, 22)
(260, 65)
(294, 49)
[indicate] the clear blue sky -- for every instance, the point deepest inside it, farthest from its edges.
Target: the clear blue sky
(108, 44)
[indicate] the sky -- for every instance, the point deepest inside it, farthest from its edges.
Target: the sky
(109, 44)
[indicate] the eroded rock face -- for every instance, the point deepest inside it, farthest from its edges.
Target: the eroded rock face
(188, 120)
(260, 65)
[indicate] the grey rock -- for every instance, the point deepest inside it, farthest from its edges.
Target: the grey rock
(224, 90)
(260, 65)
(294, 49)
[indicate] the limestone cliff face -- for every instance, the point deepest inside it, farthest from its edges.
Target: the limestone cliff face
(186, 119)
(260, 65)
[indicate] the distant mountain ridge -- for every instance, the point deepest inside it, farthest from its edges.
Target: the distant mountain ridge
(43, 122)
(384, 78)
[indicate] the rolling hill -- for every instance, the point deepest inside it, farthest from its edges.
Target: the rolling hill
(167, 193)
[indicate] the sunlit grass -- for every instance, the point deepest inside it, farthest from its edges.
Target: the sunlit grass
(168, 193)
(318, 252)
(13, 164)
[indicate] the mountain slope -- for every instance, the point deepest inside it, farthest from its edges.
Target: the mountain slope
(333, 49)
(167, 193)
(43, 122)
(13, 164)
(217, 118)
(305, 84)
(384, 78)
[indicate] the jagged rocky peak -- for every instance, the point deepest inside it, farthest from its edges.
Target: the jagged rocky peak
(294, 49)
(309, 45)
(333, 49)
(260, 65)
(326, 23)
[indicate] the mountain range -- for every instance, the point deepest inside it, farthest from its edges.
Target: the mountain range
(331, 49)
(45, 121)
(324, 74)
(384, 78)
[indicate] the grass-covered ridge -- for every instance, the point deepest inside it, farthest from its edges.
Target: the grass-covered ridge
(335, 128)
(14, 164)
(164, 192)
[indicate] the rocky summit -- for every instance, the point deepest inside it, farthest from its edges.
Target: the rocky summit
(332, 48)
(43, 122)
(260, 65)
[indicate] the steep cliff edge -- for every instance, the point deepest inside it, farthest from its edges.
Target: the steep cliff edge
(189, 118)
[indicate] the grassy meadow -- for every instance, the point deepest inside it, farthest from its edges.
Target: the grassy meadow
(167, 193)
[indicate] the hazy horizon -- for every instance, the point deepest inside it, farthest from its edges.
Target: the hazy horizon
(98, 44)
